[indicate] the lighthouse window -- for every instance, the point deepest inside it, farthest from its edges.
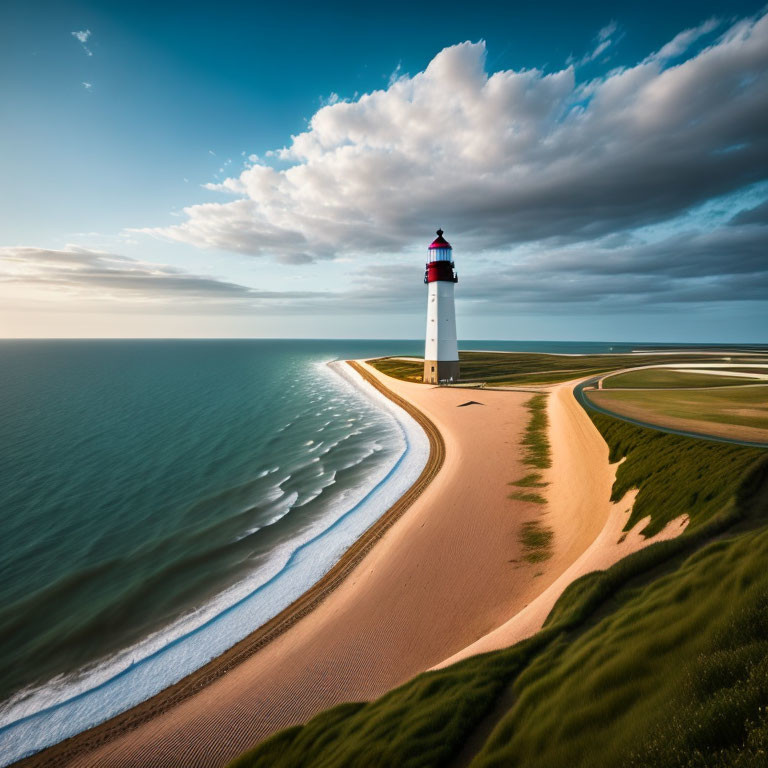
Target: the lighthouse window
(433, 369)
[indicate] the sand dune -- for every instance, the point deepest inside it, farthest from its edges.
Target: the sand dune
(442, 582)
(588, 526)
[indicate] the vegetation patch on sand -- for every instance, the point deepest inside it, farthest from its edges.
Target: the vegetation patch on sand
(658, 661)
(533, 480)
(535, 537)
(533, 498)
(536, 541)
(535, 442)
(536, 451)
(664, 378)
(736, 412)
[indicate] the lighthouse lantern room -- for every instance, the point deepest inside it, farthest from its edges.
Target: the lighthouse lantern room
(441, 351)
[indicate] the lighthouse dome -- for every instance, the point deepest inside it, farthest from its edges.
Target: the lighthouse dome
(440, 241)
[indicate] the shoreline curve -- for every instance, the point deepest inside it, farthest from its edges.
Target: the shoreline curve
(86, 741)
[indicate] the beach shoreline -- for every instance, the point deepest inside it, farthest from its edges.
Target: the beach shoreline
(64, 751)
(450, 579)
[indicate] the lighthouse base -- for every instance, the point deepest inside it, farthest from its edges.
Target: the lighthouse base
(439, 371)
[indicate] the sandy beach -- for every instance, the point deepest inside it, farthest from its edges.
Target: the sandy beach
(445, 579)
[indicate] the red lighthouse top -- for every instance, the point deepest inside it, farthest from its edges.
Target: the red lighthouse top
(440, 264)
(439, 241)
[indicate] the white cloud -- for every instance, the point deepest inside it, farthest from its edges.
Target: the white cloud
(504, 158)
(683, 41)
(87, 86)
(603, 40)
(607, 31)
(82, 36)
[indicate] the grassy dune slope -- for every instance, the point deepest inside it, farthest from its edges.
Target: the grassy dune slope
(678, 670)
(658, 661)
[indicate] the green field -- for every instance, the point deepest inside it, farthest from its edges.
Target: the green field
(659, 662)
(664, 378)
(737, 412)
(520, 368)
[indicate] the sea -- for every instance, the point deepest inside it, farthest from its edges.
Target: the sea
(161, 499)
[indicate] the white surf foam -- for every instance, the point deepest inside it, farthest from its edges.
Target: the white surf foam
(36, 719)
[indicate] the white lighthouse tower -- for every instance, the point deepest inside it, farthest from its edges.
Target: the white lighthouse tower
(441, 352)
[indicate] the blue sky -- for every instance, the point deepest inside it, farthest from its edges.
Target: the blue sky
(118, 114)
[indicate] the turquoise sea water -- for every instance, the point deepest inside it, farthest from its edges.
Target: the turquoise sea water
(141, 480)
(138, 479)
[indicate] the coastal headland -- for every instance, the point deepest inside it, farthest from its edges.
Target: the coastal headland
(447, 572)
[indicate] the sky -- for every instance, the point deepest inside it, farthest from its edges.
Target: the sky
(262, 170)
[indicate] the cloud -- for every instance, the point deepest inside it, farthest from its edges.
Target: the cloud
(684, 40)
(690, 268)
(87, 86)
(82, 36)
(686, 268)
(504, 158)
(98, 277)
(757, 215)
(611, 274)
(603, 41)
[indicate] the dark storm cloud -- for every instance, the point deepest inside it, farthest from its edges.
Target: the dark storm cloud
(727, 265)
(757, 215)
(724, 265)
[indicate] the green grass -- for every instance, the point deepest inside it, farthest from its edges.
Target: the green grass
(521, 368)
(659, 661)
(675, 475)
(666, 377)
(535, 538)
(677, 669)
(400, 369)
(535, 443)
(498, 367)
(533, 480)
(536, 541)
(534, 498)
(537, 378)
(735, 407)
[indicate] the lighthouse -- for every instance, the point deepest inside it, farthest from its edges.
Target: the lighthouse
(441, 351)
